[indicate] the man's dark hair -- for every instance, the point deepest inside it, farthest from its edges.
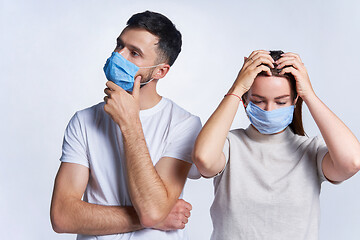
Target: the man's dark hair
(169, 45)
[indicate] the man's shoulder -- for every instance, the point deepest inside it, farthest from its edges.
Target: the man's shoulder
(92, 115)
(91, 111)
(180, 112)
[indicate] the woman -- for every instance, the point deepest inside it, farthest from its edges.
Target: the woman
(268, 176)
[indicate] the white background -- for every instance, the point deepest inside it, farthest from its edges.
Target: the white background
(51, 58)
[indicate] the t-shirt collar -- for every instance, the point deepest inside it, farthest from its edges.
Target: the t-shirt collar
(277, 137)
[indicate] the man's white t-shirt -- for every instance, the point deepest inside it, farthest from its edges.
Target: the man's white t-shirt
(94, 140)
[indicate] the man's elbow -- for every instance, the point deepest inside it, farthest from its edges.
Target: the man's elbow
(56, 222)
(152, 218)
(59, 222)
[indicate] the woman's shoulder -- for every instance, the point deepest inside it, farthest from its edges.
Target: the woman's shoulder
(309, 143)
(237, 132)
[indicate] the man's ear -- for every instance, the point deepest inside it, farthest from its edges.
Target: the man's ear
(161, 71)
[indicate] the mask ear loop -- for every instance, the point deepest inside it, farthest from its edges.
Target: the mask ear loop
(144, 83)
(153, 66)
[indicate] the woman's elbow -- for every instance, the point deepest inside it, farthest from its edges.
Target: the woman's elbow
(352, 166)
(356, 163)
(201, 159)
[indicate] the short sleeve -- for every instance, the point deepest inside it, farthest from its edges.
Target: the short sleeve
(182, 139)
(74, 146)
(226, 150)
(320, 154)
(181, 142)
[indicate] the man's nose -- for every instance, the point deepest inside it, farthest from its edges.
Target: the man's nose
(124, 52)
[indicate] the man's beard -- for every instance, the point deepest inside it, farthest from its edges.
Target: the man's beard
(147, 78)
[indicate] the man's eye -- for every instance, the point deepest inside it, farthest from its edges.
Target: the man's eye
(135, 54)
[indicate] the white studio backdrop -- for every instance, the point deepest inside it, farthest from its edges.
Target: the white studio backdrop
(51, 59)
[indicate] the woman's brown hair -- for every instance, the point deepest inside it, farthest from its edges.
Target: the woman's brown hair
(296, 125)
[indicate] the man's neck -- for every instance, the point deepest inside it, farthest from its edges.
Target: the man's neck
(149, 96)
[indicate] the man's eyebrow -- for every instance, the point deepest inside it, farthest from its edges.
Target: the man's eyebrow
(137, 49)
(132, 47)
(282, 96)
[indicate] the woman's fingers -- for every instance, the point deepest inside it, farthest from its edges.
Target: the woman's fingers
(291, 70)
(258, 58)
(290, 54)
(290, 62)
(263, 68)
(257, 52)
(262, 59)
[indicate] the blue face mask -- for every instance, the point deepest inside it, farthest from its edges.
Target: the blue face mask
(122, 72)
(269, 122)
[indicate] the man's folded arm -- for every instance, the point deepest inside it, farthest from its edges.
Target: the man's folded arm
(69, 214)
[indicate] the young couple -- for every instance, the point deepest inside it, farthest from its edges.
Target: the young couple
(125, 161)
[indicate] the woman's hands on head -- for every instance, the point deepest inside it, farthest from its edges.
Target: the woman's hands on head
(291, 63)
(253, 65)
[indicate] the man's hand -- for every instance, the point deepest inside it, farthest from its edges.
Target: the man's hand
(122, 106)
(177, 218)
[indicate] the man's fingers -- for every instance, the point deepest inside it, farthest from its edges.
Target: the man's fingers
(107, 91)
(187, 205)
(136, 89)
(111, 85)
(187, 214)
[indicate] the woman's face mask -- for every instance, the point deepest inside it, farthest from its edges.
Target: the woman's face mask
(269, 122)
(122, 72)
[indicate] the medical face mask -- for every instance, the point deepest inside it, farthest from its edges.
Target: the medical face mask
(122, 72)
(270, 122)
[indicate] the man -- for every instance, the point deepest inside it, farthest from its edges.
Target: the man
(129, 157)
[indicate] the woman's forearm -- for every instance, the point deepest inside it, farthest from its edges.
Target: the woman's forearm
(210, 142)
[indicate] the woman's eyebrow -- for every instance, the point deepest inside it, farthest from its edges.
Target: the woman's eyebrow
(282, 96)
(258, 96)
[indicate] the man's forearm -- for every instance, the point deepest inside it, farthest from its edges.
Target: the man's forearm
(148, 192)
(76, 216)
